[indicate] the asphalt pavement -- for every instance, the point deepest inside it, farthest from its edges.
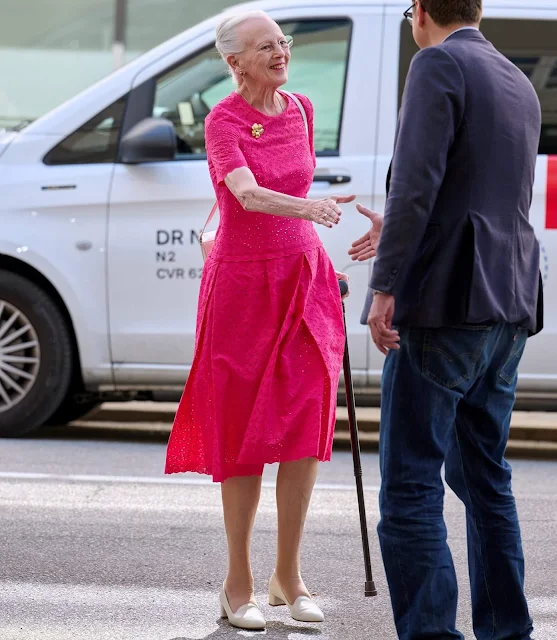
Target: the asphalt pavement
(97, 544)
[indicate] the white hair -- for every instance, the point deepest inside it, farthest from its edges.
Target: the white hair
(228, 43)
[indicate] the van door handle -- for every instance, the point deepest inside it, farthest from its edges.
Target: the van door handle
(332, 178)
(58, 187)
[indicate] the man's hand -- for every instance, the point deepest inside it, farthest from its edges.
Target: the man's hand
(366, 246)
(380, 321)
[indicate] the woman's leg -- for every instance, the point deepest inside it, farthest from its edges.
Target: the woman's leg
(240, 497)
(295, 483)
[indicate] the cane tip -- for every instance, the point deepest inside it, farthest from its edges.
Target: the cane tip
(370, 589)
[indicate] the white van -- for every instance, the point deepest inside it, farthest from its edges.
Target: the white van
(102, 201)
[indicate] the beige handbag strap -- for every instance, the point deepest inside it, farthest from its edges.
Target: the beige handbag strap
(305, 118)
(208, 221)
(301, 108)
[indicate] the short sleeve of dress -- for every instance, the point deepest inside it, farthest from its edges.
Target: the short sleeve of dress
(306, 103)
(223, 145)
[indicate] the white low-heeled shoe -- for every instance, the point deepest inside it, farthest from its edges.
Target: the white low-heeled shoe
(248, 616)
(304, 608)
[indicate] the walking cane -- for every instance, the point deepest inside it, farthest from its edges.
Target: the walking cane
(369, 588)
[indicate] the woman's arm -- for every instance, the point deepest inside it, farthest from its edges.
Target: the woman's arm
(252, 197)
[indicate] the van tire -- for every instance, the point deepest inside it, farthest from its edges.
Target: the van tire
(55, 357)
(71, 410)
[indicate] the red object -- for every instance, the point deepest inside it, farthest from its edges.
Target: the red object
(270, 333)
(551, 202)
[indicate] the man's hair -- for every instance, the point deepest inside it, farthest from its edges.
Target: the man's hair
(449, 12)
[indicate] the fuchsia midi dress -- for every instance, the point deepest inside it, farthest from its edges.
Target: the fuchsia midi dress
(270, 334)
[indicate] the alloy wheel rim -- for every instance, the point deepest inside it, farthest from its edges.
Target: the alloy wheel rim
(20, 356)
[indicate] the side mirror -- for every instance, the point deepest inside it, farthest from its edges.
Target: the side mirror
(151, 140)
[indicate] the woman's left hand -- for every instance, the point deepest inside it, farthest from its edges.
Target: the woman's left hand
(343, 276)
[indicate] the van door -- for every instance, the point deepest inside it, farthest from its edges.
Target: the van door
(527, 38)
(158, 209)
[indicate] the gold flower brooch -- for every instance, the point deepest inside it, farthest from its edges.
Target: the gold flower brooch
(257, 130)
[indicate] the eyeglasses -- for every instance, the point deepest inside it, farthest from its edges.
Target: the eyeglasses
(408, 13)
(285, 44)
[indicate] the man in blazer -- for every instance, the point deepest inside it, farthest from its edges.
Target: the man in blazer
(455, 293)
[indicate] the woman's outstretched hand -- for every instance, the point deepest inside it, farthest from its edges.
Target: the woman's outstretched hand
(366, 246)
(326, 211)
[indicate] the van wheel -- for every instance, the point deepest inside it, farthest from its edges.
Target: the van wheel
(71, 409)
(36, 360)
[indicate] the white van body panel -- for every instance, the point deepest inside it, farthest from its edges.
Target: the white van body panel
(119, 242)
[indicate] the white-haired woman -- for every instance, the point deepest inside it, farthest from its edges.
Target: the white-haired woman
(270, 334)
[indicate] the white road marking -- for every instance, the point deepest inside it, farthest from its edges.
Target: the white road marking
(110, 479)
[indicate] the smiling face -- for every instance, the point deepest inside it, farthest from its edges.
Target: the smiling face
(266, 54)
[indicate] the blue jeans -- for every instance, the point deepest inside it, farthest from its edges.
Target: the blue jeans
(447, 398)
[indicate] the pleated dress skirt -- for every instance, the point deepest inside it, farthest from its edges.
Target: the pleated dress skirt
(268, 354)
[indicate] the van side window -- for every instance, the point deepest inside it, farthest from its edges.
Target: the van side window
(186, 94)
(94, 142)
(532, 46)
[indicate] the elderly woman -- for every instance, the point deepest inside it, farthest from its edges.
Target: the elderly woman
(270, 336)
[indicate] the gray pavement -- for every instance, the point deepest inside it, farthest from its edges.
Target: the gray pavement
(97, 544)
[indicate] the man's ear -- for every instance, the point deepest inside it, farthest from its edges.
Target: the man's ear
(420, 14)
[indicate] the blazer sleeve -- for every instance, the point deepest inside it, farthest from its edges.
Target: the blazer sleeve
(431, 113)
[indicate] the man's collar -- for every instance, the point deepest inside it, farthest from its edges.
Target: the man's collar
(461, 29)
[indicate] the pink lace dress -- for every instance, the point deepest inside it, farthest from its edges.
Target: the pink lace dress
(270, 335)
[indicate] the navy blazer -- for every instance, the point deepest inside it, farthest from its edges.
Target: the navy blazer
(457, 246)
